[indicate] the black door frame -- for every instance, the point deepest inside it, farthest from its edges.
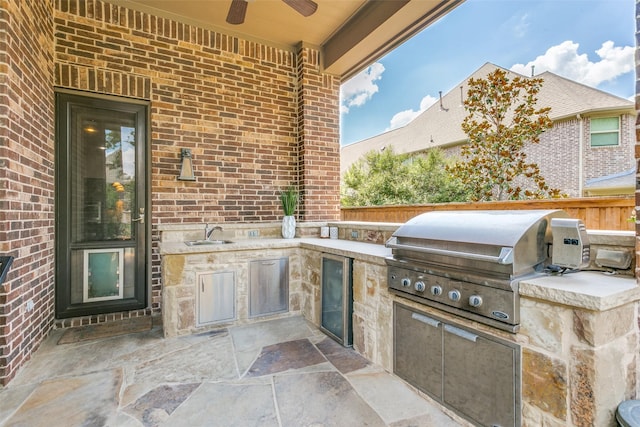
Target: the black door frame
(64, 306)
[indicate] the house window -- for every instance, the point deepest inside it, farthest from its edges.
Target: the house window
(605, 131)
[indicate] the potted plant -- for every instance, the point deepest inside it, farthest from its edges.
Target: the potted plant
(289, 200)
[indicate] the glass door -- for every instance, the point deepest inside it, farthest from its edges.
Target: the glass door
(101, 207)
(336, 298)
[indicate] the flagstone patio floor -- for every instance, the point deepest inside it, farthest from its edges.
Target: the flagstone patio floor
(280, 373)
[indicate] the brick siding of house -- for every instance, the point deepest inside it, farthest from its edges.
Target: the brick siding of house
(602, 161)
(26, 179)
(256, 118)
(558, 156)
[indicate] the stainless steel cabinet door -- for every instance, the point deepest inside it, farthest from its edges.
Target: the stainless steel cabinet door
(216, 297)
(268, 286)
(418, 350)
(481, 377)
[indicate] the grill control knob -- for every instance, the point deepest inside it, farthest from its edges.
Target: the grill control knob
(436, 290)
(406, 282)
(420, 286)
(475, 300)
(454, 295)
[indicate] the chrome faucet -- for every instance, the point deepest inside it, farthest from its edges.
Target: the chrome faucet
(209, 231)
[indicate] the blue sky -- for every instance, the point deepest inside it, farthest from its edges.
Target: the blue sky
(589, 41)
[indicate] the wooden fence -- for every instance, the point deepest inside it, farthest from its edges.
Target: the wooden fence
(598, 213)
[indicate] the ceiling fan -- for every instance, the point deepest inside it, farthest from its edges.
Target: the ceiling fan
(238, 9)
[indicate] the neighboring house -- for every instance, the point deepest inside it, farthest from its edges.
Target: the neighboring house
(592, 135)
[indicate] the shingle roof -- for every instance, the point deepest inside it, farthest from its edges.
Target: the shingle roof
(439, 125)
(620, 181)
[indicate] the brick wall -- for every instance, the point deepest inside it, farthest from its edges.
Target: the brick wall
(26, 177)
(256, 118)
(319, 125)
(557, 156)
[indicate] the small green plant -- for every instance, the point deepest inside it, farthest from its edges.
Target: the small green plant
(289, 200)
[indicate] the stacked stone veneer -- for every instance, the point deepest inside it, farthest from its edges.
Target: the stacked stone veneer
(179, 312)
(578, 364)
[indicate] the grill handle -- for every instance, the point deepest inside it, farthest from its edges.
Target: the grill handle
(505, 257)
(461, 333)
(426, 320)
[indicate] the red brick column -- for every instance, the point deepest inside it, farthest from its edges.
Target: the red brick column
(318, 139)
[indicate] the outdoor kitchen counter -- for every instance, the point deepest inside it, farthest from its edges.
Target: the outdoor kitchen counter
(360, 250)
(578, 332)
(590, 290)
(586, 289)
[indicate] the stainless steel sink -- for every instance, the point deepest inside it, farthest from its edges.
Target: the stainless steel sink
(207, 242)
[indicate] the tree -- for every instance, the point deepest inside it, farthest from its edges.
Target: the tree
(387, 178)
(502, 118)
(431, 182)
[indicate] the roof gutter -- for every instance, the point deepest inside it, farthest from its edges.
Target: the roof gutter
(596, 112)
(580, 155)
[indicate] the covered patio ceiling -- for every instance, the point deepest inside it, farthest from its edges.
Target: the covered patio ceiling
(350, 34)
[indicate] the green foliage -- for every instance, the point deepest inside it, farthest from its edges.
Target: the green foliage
(502, 118)
(387, 178)
(289, 200)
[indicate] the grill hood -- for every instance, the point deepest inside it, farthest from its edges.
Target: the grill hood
(506, 243)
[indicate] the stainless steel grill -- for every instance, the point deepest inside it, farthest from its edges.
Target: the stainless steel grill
(469, 263)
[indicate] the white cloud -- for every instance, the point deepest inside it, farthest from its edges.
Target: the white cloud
(564, 60)
(403, 117)
(361, 87)
(518, 25)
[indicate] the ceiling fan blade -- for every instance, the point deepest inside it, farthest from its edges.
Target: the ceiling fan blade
(237, 12)
(303, 7)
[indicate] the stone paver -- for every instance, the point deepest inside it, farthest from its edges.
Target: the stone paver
(280, 373)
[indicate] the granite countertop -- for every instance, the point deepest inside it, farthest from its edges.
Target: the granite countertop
(586, 289)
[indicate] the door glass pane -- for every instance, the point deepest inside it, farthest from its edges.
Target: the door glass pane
(333, 297)
(102, 274)
(102, 166)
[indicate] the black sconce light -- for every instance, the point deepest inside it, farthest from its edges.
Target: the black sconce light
(186, 167)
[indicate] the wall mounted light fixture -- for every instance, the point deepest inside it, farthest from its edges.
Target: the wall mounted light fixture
(186, 167)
